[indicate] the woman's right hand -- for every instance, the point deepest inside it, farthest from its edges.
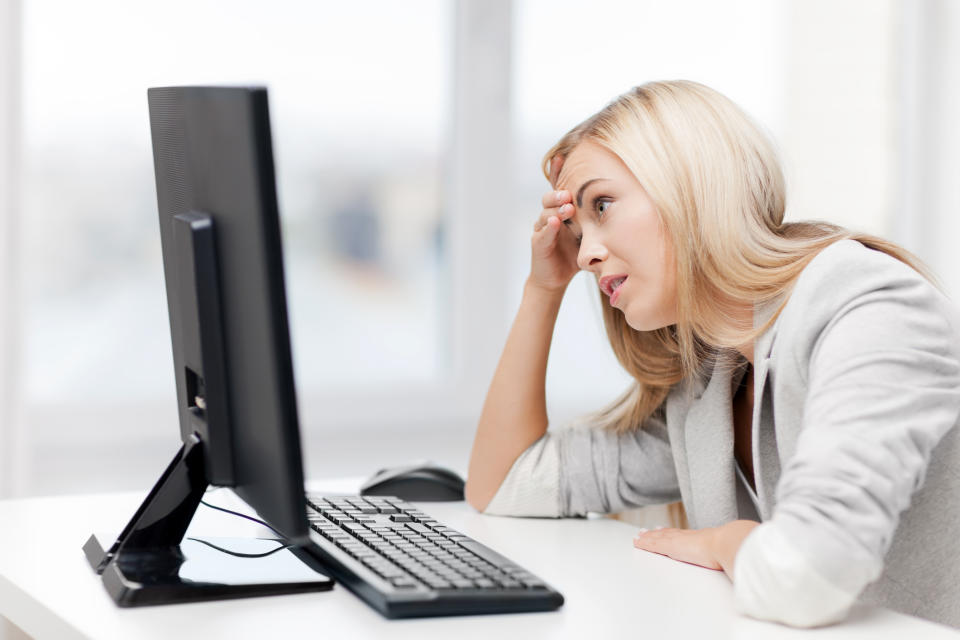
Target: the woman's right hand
(553, 247)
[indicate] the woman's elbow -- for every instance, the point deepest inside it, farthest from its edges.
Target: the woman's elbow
(803, 615)
(476, 497)
(774, 581)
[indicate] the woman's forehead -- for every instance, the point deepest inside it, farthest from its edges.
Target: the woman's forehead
(587, 160)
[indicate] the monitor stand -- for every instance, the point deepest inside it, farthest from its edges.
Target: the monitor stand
(151, 563)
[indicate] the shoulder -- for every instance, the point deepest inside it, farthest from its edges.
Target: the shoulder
(847, 268)
(851, 289)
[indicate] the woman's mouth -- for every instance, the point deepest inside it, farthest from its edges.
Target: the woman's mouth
(616, 291)
(611, 286)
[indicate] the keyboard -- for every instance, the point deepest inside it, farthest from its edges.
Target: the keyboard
(405, 564)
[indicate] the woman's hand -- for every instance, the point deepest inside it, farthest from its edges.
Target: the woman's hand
(553, 248)
(713, 548)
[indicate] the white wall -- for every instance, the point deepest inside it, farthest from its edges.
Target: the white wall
(840, 106)
(927, 215)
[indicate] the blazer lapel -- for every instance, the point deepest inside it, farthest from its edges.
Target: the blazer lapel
(701, 420)
(766, 459)
(708, 440)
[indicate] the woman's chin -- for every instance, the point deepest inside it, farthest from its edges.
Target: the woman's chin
(644, 322)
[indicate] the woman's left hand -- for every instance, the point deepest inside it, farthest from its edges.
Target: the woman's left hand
(713, 548)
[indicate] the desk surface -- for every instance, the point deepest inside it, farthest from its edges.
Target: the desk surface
(48, 590)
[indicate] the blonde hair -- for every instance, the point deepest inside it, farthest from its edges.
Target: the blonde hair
(719, 191)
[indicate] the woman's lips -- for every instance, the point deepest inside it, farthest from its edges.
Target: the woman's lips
(611, 284)
(615, 296)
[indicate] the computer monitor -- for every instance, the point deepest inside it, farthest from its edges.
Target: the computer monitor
(223, 267)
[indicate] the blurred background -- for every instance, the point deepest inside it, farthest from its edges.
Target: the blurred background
(408, 138)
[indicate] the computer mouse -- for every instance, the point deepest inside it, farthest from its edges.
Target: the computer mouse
(421, 482)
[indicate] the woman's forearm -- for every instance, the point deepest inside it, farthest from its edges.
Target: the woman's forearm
(514, 414)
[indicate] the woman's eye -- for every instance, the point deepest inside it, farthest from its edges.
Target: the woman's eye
(601, 206)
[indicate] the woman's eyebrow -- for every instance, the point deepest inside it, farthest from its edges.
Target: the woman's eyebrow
(583, 188)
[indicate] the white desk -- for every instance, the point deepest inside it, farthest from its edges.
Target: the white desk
(48, 590)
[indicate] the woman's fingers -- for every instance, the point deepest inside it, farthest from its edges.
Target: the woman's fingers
(686, 545)
(546, 227)
(555, 204)
(560, 214)
(552, 199)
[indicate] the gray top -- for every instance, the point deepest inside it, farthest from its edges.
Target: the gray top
(856, 448)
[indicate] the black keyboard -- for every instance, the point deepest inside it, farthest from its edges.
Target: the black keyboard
(404, 563)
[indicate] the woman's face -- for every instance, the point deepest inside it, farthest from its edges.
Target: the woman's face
(621, 238)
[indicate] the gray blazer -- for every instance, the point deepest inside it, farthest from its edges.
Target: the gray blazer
(856, 447)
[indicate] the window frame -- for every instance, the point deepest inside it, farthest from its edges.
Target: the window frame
(478, 155)
(11, 426)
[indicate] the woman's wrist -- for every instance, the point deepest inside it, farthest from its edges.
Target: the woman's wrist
(726, 541)
(543, 292)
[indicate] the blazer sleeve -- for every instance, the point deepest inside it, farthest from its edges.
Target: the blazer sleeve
(575, 470)
(883, 390)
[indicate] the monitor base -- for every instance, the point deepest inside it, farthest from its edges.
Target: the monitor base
(152, 562)
(205, 568)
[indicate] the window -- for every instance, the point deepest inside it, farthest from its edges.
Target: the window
(360, 106)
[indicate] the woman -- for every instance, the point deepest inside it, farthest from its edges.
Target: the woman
(797, 385)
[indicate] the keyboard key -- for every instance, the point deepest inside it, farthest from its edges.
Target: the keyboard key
(438, 583)
(339, 518)
(486, 553)
(534, 583)
(403, 582)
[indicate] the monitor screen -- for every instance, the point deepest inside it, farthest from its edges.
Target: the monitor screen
(223, 267)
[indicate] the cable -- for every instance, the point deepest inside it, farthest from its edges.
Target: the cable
(242, 555)
(243, 515)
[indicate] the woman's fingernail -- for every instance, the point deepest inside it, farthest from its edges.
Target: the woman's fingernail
(564, 208)
(641, 532)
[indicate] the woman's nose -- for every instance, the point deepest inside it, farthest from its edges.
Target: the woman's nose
(592, 252)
